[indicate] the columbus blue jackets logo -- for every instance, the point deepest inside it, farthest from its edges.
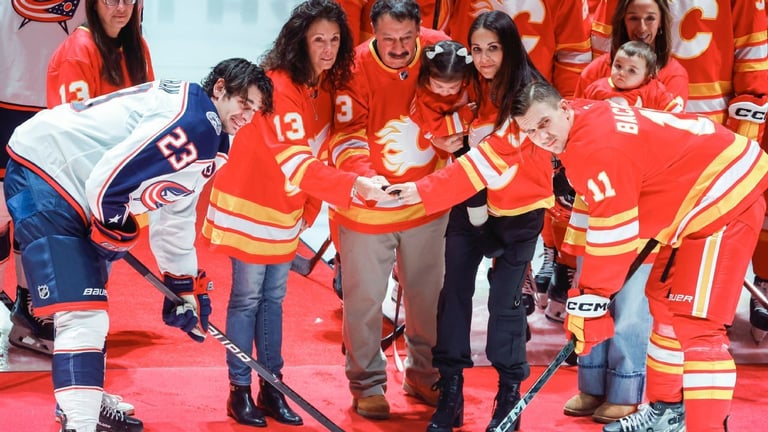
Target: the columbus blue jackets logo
(163, 193)
(49, 11)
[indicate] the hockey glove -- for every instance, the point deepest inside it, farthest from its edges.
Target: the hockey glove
(746, 116)
(192, 315)
(113, 241)
(587, 320)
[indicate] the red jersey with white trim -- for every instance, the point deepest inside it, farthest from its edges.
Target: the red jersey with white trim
(554, 32)
(75, 70)
(650, 174)
(147, 148)
(673, 76)
(721, 43)
(651, 95)
(518, 176)
(439, 115)
(258, 218)
(375, 136)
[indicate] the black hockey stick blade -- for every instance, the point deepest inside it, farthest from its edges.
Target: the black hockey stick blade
(303, 265)
(220, 336)
(509, 421)
(387, 340)
(511, 418)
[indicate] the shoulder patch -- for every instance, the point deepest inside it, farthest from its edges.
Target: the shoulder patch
(215, 121)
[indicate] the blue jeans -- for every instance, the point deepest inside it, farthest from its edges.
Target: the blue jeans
(255, 315)
(616, 368)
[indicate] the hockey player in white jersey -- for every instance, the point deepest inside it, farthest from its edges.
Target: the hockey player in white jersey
(78, 175)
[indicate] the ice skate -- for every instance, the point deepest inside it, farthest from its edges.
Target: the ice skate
(758, 314)
(529, 292)
(544, 275)
(656, 417)
(113, 401)
(111, 419)
(558, 292)
(30, 332)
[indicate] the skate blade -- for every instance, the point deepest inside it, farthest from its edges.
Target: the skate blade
(757, 335)
(21, 337)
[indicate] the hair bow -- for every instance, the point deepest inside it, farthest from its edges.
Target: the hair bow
(437, 49)
(464, 53)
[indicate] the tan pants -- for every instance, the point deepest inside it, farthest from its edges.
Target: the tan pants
(368, 260)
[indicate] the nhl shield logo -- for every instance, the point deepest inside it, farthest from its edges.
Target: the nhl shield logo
(43, 292)
(49, 11)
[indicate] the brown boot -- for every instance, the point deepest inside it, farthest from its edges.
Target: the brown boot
(582, 404)
(372, 407)
(609, 413)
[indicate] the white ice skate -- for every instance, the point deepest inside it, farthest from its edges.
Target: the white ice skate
(656, 417)
(758, 314)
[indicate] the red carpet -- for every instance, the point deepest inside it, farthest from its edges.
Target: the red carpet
(178, 385)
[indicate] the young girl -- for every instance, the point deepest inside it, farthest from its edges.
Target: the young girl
(442, 108)
(633, 81)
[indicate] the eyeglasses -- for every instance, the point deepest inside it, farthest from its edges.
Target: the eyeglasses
(115, 3)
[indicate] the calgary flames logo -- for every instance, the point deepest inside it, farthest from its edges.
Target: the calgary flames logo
(53, 11)
(402, 149)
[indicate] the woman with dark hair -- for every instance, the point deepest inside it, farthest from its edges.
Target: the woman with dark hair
(105, 54)
(612, 377)
(516, 205)
(256, 221)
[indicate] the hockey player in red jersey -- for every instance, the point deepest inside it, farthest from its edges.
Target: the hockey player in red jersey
(693, 186)
(150, 147)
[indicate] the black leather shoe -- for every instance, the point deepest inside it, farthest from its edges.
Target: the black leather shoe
(273, 404)
(450, 404)
(506, 399)
(240, 406)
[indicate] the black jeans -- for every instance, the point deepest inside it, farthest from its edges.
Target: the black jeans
(505, 346)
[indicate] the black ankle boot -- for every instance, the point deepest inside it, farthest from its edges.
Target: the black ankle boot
(450, 404)
(273, 404)
(240, 406)
(506, 399)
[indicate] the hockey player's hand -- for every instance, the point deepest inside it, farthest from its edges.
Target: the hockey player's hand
(113, 241)
(588, 320)
(369, 189)
(192, 315)
(406, 193)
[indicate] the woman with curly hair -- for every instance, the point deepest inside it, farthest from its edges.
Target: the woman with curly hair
(257, 221)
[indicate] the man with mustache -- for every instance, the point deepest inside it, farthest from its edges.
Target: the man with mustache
(376, 138)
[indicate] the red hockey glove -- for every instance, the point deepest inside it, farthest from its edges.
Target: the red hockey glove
(588, 320)
(192, 315)
(113, 241)
(746, 116)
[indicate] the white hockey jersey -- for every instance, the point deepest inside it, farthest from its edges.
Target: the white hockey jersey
(146, 148)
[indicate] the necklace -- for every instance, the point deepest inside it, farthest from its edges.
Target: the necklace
(312, 95)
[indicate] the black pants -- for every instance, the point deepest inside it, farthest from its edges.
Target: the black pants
(505, 346)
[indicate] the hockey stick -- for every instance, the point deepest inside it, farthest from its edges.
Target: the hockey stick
(756, 293)
(387, 340)
(398, 362)
(220, 336)
(304, 266)
(511, 418)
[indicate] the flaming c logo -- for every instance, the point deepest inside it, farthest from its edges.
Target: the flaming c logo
(52, 11)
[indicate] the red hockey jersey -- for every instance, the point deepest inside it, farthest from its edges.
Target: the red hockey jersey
(554, 32)
(376, 136)
(651, 95)
(649, 174)
(255, 214)
(439, 116)
(74, 72)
